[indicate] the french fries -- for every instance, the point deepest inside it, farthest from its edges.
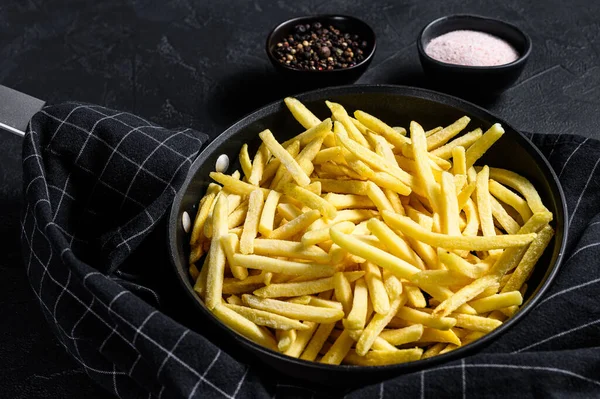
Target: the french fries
(351, 243)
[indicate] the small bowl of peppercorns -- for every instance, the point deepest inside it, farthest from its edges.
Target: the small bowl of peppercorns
(323, 50)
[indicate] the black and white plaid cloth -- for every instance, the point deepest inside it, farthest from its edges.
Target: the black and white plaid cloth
(98, 182)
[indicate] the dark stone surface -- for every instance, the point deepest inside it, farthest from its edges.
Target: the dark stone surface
(201, 63)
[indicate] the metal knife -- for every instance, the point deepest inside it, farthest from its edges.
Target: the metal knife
(16, 109)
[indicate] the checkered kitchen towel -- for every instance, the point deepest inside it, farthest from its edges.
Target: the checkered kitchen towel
(97, 183)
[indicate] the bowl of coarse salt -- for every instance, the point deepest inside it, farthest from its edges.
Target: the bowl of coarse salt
(473, 55)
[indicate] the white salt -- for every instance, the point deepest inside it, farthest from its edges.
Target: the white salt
(472, 48)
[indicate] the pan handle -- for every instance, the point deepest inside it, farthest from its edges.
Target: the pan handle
(16, 109)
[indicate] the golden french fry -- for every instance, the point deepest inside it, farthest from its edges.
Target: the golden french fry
(285, 158)
(449, 210)
(268, 319)
(464, 295)
(404, 335)
(444, 278)
(216, 263)
(530, 258)
(280, 171)
(289, 249)
(244, 326)
(279, 290)
(419, 147)
(459, 265)
(341, 116)
(383, 358)
(459, 161)
(345, 201)
(357, 317)
(302, 339)
(476, 323)
(234, 300)
(510, 198)
(265, 225)
(503, 218)
(414, 296)
(294, 310)
(258, 165)
(343, 291)
(395, 244)
(443, 136)
(377, 292)
(255, 205)
(301, 113)
(343, 186)
(230, 244)
(202, 214)
(285, 338)
(522, 185)
(433, 335)
(376, 195)
(412, 229)
(283, 266)
(433, 350)
(234, 185)
(484, 206)
(245, 162)
(295, 226)
(478, 148)
(497, 301)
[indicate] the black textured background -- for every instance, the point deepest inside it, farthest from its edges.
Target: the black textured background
(201, 63)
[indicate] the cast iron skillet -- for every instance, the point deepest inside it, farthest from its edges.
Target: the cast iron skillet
(396, 105)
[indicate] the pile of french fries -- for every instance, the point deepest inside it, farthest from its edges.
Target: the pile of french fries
(353, 243)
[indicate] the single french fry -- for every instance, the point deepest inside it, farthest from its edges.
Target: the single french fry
(483, 203)
(341, 116)
(234, 185)
(530, 258)
(311, 200)
(293, 310)
(265, 225)
(379, 257)
(319, 236)
(216, 263)
(449, 210)
(404, 335)
(285, 158)
(237, 217)
(376, 195)
(268, 319)
(448, 348)
(464, 295)
(244, 326)
(301, 113)
(522, 185)
(433, 335)
(426, 319)
(285, 338)
(295, 226)
(230, 244)
(377, 292)
(504, 219)
(510, 198)
(345, 201)
(414, 296)
(475, 323)
(459, 163)
(497, 301)
(465, 195)
(255, 205)
(234, 300)
(446, 278)
(258, 165)
(478, 148)
(289, 249)
(288, 210)
(376, 325)
(245, 162)
(283, 266)
(443, 136)
(357, 317)
(412, 229)
(343, 291)
(384, 358)
(235, 286)
(332, 154)
(426, 179)
(279, 290)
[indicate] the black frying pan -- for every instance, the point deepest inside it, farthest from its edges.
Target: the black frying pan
(396, 105)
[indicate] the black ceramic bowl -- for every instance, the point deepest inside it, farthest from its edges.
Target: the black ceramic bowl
(396, 105)
(474, 79)
(316, 78)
